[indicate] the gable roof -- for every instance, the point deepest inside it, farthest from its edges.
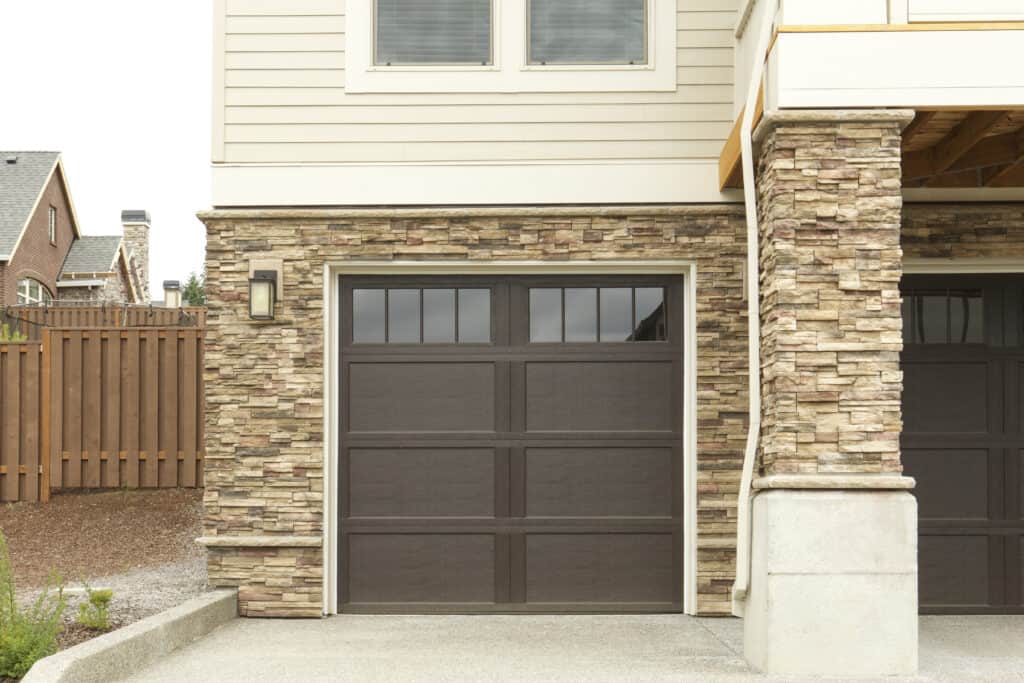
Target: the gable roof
(92, 254)
(22, 184)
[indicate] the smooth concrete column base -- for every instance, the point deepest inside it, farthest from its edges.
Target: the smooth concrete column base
(833, 588)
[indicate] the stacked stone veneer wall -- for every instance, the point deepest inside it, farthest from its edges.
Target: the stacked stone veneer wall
(264, 382)
(830, 201)
(988, 231)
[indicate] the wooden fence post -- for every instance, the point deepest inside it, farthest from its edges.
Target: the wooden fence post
(44, 423)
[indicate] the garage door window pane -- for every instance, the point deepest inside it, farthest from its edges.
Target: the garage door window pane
(439, 316)
(587, 32)
(433, 32)
(966, 317)
(474, 316)
(616, 314)
(368, 311)
(404, 316)
(650, 314)
(545, 315)
(581, 315)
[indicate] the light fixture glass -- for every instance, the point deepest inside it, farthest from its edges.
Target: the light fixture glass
(262, 294)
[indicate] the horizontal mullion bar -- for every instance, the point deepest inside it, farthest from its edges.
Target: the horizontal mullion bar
(426, 354)
(506, 440)
(521, 525)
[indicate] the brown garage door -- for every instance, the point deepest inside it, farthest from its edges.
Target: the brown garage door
(962, 440)
(511, 444)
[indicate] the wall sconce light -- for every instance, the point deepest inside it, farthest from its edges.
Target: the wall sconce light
(262, 294)
(172, 294)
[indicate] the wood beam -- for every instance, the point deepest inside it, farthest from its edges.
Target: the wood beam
(965, 136)
(730, 161)
(997, 150)
(917, 126)
(1011, 175)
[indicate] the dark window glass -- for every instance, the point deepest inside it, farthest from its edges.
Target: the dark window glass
(439, 316)
(650, 314)
(545, 315)
(616, 314)
(403, 316)
(581, 315)
(907, 310)
(932, 319)
(587, 32)
(474, 316)
(368, 310)
(433, 32)
(966, 317)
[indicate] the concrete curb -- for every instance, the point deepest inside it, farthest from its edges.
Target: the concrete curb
(130, 649)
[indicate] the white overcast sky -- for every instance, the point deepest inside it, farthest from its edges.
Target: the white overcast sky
(122, 88)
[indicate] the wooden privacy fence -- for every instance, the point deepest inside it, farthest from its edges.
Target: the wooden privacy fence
(101, 408)
(30, 320)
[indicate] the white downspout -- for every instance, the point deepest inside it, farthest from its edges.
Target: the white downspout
(743, 540)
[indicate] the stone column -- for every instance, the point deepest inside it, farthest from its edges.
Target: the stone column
(834, 567)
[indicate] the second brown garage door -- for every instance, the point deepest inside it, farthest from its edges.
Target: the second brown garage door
(963, 438)
(511, 445)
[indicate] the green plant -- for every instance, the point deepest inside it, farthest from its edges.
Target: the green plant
(194, 293)
(27, 635)
(7, 336)
(94, 612)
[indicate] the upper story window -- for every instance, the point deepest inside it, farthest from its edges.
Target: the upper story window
(511, 46)
(588, 31)
(411, 32)
(33, 293)
(53, 225)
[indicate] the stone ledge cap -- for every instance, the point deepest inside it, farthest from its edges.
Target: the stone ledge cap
(831, 116)
(833, 482)
(260, 541)
(342, 213)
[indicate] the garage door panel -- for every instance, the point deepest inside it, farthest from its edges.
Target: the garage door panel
(600, 568)
(510, 474)
(432, 482)
(421, 397)
(599, 396)
(954, 570)
(599, 482)
(935, 397)
(951, 483)
(421, 568)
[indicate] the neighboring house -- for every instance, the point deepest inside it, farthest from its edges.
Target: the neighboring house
(37, 226)
(480, 276)
(99, 269)
(43, 255)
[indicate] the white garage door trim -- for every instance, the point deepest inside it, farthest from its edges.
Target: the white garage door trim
(332, 270)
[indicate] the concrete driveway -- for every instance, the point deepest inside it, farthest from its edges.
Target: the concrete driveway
(542, 648)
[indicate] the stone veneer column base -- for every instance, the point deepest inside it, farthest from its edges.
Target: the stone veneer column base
(272, 581)
(833, 586)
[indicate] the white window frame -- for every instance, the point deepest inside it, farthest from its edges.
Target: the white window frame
(53, 225)
(25, 298)
(510, 71)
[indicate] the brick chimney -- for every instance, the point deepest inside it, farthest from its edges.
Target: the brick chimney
(136, 241)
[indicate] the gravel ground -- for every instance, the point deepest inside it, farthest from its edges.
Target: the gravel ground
(140, 544)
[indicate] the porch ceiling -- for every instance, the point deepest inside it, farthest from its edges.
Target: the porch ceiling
(964, 149)
(942, 148)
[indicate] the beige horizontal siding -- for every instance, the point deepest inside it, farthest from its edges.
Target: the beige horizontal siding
(284, 101)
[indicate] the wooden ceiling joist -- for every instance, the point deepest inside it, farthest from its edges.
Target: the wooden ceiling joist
(1011, 175)
(997, 150)
(964, 138)
(918, 126)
